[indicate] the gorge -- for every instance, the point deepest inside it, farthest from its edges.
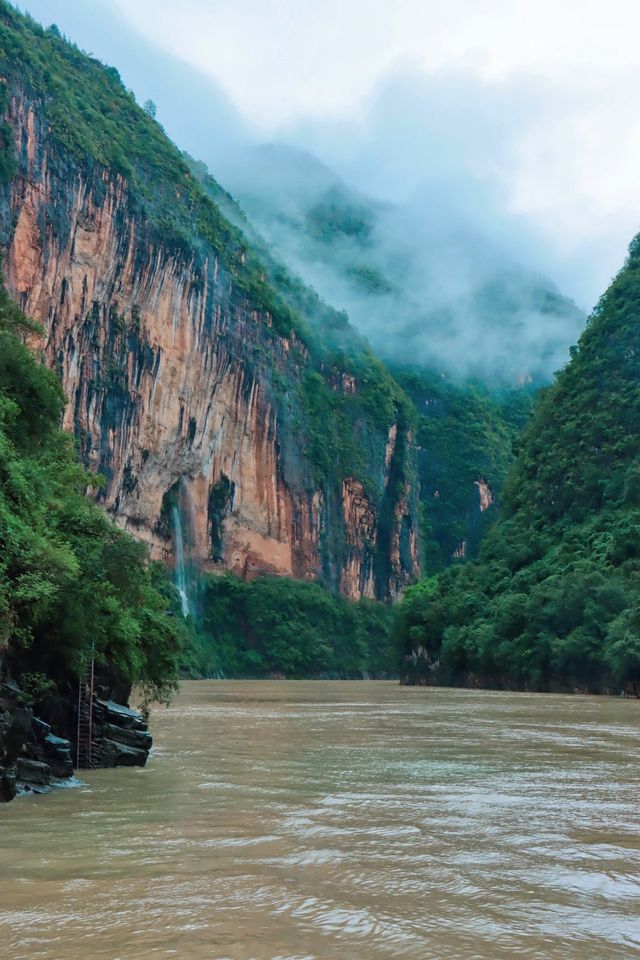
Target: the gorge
(319, 495)
(239, 431)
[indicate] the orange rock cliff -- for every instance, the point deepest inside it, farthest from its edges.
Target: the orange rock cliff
(177, 379)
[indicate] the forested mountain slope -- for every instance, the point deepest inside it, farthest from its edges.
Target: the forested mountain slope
(554, 600)
(466, 435)
(426, 289)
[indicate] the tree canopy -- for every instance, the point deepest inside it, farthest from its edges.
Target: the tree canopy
(554, 599)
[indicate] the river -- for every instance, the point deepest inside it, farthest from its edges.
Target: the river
(340, 821)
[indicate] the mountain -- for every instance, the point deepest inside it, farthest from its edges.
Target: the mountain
(468, 332)
(425, 288)
(211, 385)
(554, 600)
(195, 381)
(464, 430)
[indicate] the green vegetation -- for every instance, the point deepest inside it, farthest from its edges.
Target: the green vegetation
(8, 165)
(465, 434)
(369, 279)
(554, 600)
(275, 626)
(338, 215)
(333, 447)
(70, 580)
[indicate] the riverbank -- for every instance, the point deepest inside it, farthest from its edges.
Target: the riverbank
(35, 759)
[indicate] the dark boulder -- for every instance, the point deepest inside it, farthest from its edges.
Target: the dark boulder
(30, 755)
(58, 754)
(32, 774)
(8, 787)
(111, 753)
(40, 729)
(141, 739)
(119, 715)
(120, 736)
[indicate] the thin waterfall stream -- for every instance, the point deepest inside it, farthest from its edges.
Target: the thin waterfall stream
(181, 567)
(183, 579)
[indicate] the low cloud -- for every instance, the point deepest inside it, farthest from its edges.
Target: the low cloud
(474, 190)
(404, 218)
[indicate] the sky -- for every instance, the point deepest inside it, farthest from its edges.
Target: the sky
(523, 113)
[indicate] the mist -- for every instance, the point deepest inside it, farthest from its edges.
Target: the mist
(420, 246)
(411, 213)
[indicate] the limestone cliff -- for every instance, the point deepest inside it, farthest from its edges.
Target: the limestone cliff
(179, 377)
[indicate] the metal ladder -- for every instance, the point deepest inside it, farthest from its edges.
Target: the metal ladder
(85, 718)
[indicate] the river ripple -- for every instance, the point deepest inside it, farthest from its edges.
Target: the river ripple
(355, 821)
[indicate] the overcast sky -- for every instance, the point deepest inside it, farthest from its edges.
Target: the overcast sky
(535, 104)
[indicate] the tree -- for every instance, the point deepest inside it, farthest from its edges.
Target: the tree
(70, 580)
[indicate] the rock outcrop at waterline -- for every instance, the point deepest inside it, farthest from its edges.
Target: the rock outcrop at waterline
(121, 736)
(33, 758)
(175, 377)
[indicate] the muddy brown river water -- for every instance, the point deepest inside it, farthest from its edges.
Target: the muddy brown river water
(341, 821)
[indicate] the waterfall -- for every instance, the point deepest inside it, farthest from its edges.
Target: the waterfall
(181, 567)
(183, 575)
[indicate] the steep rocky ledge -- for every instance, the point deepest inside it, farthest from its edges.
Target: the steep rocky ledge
(33, 758)
(176, 380)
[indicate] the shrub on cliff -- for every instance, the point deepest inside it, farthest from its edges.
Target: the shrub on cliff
(70, 580)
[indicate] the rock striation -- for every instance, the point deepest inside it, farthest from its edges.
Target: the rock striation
(33, 758)
(178, 380)
(121, 736)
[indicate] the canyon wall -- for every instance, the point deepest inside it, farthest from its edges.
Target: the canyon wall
(179, 386)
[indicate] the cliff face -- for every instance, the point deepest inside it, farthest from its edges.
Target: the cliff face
(180, 387)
